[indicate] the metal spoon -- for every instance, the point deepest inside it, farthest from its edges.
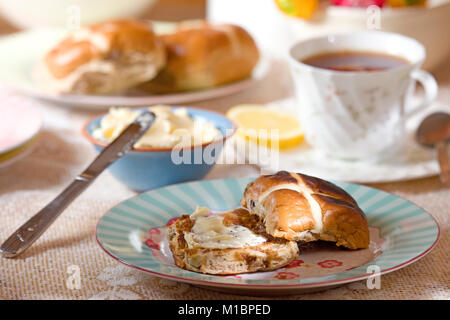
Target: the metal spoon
(31, 230)
(434, 131)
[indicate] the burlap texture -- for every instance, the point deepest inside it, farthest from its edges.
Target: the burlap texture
(61, 153)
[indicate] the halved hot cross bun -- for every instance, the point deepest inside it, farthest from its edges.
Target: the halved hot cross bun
(105, 57)
(299, 207)
(227, 243)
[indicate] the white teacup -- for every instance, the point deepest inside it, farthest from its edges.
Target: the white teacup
(359, 115)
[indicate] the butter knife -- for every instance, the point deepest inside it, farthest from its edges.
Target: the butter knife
(31, 230)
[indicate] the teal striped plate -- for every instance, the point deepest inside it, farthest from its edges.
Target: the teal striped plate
(133, 233)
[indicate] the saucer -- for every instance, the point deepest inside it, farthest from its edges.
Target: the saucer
(411, 161)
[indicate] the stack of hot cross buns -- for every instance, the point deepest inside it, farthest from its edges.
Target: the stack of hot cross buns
(114, 56)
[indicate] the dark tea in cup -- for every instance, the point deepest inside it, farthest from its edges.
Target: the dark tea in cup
(354, 92)
(354, 61)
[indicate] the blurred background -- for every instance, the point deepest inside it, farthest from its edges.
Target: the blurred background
(421, 19)
(56, 151)
(15, 15)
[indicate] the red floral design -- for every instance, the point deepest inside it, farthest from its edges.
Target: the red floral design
(152, 244)
(154, 232)
(171, 221)
(329, 263)
(294, 264)
(286, 275)
(158, 254)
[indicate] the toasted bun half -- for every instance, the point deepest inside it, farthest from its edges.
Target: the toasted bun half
(203, 55)
(298, 207)
(102, 58)
(270, 255)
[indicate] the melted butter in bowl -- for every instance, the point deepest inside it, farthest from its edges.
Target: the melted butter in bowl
(172, 128)
(165, 154)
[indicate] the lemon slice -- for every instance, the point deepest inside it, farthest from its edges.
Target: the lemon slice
(256, 123)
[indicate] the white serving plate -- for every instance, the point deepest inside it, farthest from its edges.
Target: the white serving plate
(20, 52)
(20, 124)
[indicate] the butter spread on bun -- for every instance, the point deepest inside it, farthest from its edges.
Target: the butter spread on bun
(227, 243)
(209, 231)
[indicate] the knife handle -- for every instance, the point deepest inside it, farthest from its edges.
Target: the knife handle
(31, 230)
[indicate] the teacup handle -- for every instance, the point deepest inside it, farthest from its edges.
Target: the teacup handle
(430, 87)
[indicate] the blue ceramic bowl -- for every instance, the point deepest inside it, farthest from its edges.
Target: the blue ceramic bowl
(148, 168)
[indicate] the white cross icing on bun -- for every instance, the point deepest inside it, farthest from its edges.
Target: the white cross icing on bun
(298, 207)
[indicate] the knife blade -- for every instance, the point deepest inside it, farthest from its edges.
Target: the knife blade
(31, 230)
